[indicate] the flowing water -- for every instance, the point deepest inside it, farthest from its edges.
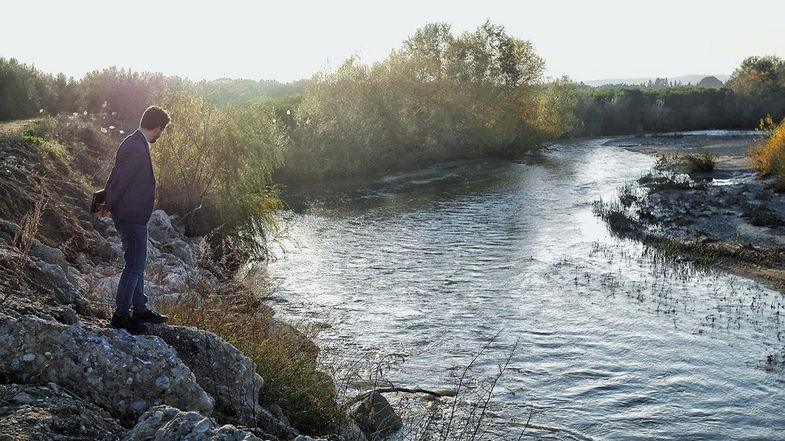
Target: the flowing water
(612, 341)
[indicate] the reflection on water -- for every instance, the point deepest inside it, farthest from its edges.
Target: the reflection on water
(614, 343)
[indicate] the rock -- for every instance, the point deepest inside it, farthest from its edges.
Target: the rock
(277, 412)
(273, 426)
(75, 277)
(308, 438)
(48, 414)
(22, 398)
(351, 432)
(108, 287)
(160, 227)
(175, 282)
(182, 250)
(115, 251)
(104, 225)
(153, 250)
(48, 254)
(65, 314)
(8, 231)
(108, 367)
(52, 278)
(376, 417)
(220, 369)
(165, 423)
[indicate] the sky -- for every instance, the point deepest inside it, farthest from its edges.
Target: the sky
(293, 39)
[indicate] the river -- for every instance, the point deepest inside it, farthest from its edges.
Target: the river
(613, 342)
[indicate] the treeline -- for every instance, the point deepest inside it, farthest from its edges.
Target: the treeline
(658, 83)
(626, 111)
(756, 89)
(123, 94)
(439, 97)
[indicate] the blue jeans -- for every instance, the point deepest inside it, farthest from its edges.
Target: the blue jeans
(130, 290)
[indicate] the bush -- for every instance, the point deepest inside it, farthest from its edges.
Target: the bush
(702, 162)
(767, 154)
(214, 167)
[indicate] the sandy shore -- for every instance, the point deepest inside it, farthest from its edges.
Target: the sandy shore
(728, 218)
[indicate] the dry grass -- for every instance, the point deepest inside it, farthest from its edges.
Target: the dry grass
(285, 357)
(23, 241)
(703, 162)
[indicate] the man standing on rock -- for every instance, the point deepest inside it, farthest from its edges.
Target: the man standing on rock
(130, 193)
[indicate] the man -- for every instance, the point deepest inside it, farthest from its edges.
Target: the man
(130, 193)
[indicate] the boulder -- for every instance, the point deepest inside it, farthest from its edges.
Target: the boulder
(104, 225)
(8, 231)
(48, 413)
(108, 287)
(351, 432)
(376, 417)
(220, 369)
(123, 374)
(274, 425)
(165, 423)
(175, 282)
(182, 250)
(52, 278)
(160, 227)
(153, 250)
(75, 277)
(48, 254)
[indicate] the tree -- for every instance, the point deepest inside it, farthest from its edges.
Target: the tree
(556, 110)
(710, 83)
(758, 76)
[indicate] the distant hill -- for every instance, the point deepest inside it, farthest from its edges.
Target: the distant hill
(684, 79)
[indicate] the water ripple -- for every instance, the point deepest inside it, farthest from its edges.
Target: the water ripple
(612, 344)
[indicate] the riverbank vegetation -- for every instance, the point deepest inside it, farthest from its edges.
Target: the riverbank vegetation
(768, 153)
(214, 169)
(439, 97)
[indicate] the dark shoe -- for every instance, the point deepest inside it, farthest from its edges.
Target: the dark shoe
(127, 323)
(149, 317)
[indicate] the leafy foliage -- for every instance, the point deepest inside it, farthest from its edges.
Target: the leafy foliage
(25, 91)
(218, 163)
(439, 97)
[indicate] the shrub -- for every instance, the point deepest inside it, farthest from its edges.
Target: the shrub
(702, 162)
(767, 154)
(214, 167)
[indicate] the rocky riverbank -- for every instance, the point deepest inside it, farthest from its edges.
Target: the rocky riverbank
(725, 217)
(64, 373)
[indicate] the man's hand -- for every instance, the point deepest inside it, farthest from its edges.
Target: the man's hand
(102, 211)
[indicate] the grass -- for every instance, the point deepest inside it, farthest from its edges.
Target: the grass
(23, 241)
(703, 162)
(284, 357)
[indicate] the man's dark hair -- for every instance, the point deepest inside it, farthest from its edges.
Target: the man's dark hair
(154, 117)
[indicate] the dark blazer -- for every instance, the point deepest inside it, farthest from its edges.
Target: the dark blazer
(130, 189)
